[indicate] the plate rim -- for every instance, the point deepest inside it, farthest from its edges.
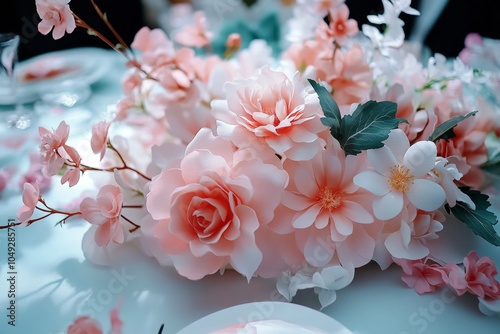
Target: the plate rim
(284, 311)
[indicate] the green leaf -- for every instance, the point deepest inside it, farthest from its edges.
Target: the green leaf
(368, 126)
(445, 130)
(480, 220)
(249, 3)
(330, 109)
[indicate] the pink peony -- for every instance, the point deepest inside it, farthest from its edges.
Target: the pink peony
(84, 325)
(55, 14)
(31, 194)
(271, 111)
(99, 138)
(105, 211)
(195, 35)
(209, 209)
(480, 276)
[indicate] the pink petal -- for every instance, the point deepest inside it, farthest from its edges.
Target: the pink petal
(306, 218)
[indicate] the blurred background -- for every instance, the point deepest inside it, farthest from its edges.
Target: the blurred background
(442, 28)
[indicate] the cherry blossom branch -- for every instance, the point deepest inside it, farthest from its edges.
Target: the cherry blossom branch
(109, 25)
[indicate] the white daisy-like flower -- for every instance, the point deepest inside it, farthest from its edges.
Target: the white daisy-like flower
(401, 172)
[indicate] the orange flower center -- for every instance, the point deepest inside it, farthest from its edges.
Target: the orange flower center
(400, 178)
(329, 199)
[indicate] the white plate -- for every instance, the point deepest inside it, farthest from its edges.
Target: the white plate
(85, 65)
(259, 311)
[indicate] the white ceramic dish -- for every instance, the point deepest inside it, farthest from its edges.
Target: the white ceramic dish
(258, 311)
(85, 65)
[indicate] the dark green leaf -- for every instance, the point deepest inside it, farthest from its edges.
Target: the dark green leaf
(249, 3)
(480, 220)
(330, 109)
(445, 130)
(368, 126)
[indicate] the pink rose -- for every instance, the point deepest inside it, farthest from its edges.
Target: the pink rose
(209, 209)
(271, 111)
(31, 194)
(84, 325)
(105, 211)
(99, 139)
(55, 14)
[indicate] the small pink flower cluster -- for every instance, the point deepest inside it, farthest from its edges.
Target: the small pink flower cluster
(477, 277)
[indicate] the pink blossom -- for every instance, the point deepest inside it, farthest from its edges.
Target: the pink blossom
(105, 211)
(87, 325)
(148, 40)
(55, 14)
(348, 74)
(196, 35)
(116, 322)
(340, 27)
(84, 325)
(5, 176)
(455, 277)
(208, 210)
(34, 174)
(72, 173)
(31, 194)
(271, 111)
(50, 142)
(233, 41)
(99, 139)
(322, 202)
(304, 55)
(422, 277)
(480, 276)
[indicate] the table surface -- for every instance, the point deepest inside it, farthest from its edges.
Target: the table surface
(55, 284)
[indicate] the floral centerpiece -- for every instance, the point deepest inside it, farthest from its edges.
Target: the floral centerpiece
(344, 149)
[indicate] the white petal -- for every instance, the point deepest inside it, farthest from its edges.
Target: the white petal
(426, 195)
(388, 206)
(421, 157)
(382, 159)
(398, 143)
(373, 182)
